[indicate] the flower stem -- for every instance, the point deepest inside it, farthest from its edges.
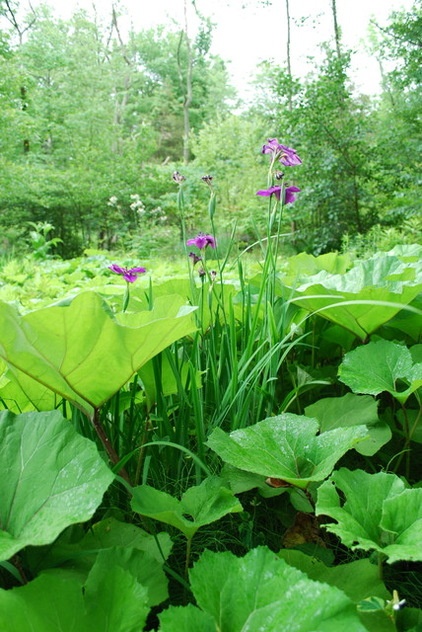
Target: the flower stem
(112, 454)
(126, 297)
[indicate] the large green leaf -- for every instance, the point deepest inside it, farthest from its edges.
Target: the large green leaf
(78, 549)
(186, 619)
(111, 533)
(110, 600)
(358, 579)
(305, 265)
(50, 478)
(141, 565)
(363, 298)
(285, 447)
(378, 513)
(199, 505)
(381, 366)
(81, 351)
(261, 592)
(26, 396)
(352, 410)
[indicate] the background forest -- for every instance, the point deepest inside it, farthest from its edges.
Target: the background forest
(95, 120)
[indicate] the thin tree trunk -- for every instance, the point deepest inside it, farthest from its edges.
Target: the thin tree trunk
(186, 85)
(289, 63)
(337, 30)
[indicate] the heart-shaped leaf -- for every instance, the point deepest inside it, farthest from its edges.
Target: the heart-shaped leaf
(111, 600)
(50, 478)
(286, 448)
(379, 366)
(141, 565)
(261, 592)
(352, 410)
(358, 579)
(81, 549)
(199, 505)
(379, 513)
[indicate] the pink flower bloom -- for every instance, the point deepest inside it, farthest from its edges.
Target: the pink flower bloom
(202, 241)
(130, 275)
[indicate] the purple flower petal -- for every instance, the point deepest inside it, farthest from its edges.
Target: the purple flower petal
(130, 275)
(139, 270)
(272, 146)
(202, 241)
(195, 258)
(117, 269)
(276, 190)
(286, 155)
(289, 157)
(289, 194)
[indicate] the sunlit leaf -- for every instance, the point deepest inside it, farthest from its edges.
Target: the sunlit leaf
(358, 579)
(361, 299)
(187, 618)
(63, 348)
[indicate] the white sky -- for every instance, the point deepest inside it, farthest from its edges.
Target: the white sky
(248, 32)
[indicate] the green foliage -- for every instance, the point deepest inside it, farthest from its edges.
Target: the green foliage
(62, 357)
(110, 599)
(199, 506)
(286, 448)
(191, 390)
(378, 513)
(51, 478)
(352, 410)
(259, 591)
(381, 366)
(164, 412)
(88, 117)
(360, 299)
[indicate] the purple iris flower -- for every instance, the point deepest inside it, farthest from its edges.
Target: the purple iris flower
(130, 275)
(289, 193)
(195, 258)
(286, 155)
(272, 146)
(202, 241)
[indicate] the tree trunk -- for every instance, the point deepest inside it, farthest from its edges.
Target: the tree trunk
(186, 85)
(289, 64)
(337, 30)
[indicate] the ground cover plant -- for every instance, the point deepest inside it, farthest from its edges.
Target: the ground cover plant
(234, 447)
